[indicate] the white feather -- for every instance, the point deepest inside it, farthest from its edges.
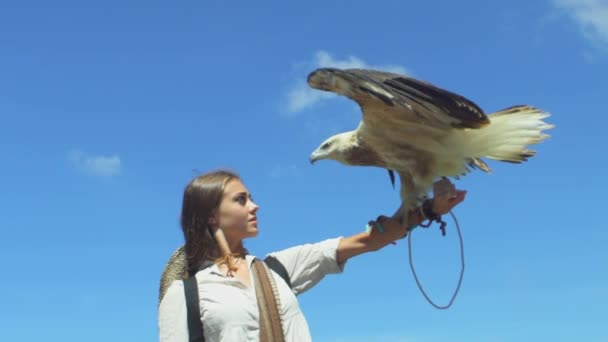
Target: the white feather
(506, 138)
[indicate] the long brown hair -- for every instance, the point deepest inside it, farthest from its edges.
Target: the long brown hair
(202, 197)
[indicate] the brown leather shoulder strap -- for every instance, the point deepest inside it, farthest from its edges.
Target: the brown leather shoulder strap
(267, 295)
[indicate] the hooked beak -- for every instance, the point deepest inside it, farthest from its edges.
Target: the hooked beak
(314, 157)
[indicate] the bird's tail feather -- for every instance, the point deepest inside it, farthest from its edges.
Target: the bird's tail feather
(509, 134)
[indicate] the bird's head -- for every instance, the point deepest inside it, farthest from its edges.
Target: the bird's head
(335, 148)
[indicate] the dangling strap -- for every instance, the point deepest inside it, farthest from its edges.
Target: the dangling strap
(195, 325)
(271, 329)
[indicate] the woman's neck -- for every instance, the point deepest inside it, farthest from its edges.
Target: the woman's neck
(238, 249)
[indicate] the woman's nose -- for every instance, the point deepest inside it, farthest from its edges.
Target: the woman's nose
(254, 207)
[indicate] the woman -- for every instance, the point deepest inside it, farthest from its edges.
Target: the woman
(218, 213)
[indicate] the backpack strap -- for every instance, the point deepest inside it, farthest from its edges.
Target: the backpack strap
(195, 325)
(275, 265)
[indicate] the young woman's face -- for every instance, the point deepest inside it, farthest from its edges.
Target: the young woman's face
(236, 214)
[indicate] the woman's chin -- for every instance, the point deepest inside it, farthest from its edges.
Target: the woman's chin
(252, 232)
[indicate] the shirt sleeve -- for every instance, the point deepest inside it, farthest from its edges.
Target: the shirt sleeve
(172, 315)
(308, 264)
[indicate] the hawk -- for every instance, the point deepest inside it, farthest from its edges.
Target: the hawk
(422, 132)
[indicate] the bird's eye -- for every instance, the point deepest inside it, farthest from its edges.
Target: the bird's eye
(325, 146)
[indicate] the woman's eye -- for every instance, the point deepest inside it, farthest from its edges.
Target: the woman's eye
(242, 199)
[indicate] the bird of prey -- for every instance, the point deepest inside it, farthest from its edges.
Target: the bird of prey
(422, 132)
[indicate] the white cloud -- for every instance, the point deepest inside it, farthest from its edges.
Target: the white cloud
(591, 16)
(103, 166)
(301, 96)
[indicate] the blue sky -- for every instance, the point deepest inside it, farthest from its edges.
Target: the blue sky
(109, 108)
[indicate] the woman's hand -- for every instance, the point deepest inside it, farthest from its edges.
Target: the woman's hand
(445, 198)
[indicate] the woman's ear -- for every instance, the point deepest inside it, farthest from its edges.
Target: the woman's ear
(212, 221)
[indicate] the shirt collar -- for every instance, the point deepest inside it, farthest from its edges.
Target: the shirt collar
(211, 267)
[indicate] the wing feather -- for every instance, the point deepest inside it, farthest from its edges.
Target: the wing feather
(378, 91)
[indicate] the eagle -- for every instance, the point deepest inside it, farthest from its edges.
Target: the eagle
(422, 132)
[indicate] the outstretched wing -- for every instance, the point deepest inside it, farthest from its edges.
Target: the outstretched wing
(379, 93)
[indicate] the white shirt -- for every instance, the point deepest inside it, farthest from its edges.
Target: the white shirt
(229, 309)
